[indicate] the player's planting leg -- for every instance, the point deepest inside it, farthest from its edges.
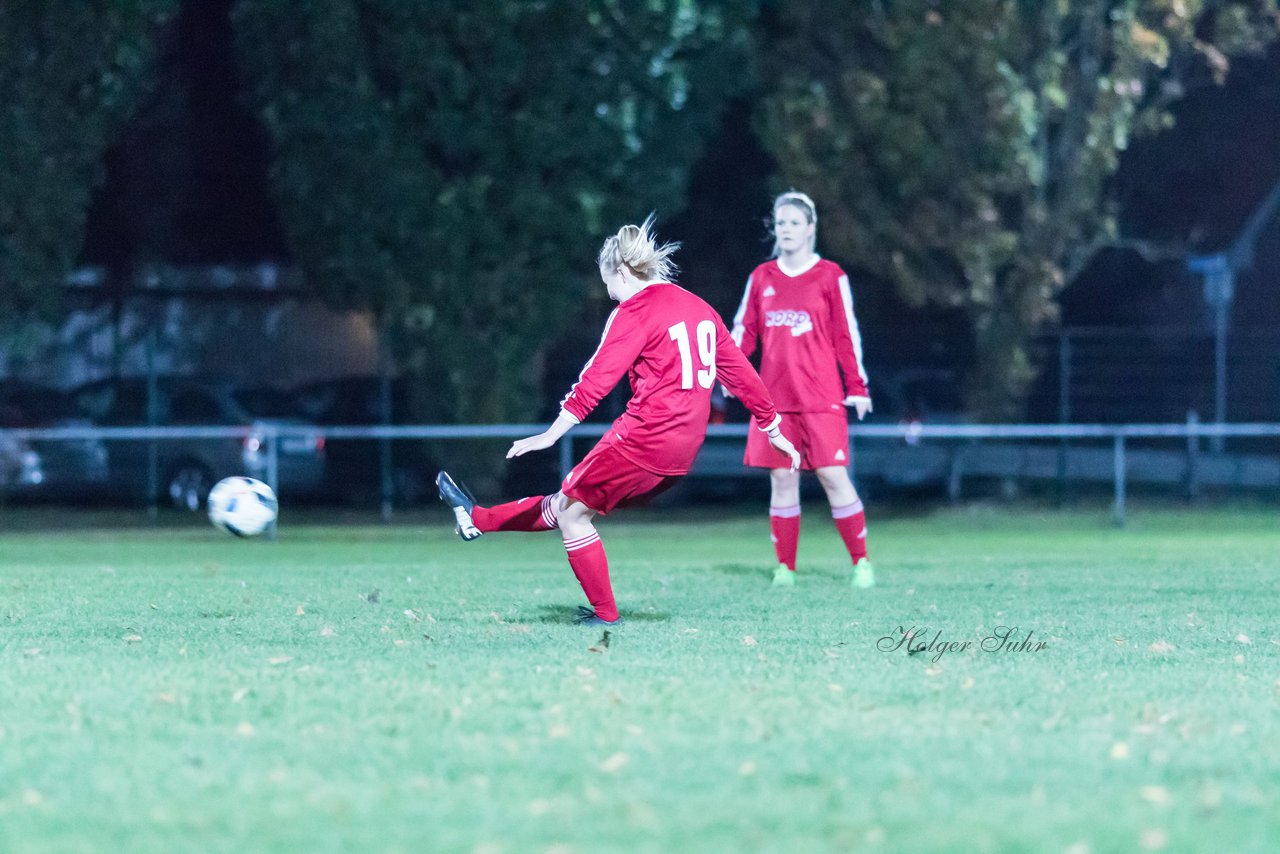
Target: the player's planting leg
(590, 565)
(784, 524)
(851, 521)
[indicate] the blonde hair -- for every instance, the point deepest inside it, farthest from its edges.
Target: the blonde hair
(805, 205)
(635, 248)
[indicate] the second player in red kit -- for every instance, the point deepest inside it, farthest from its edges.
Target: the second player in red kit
(798, 308)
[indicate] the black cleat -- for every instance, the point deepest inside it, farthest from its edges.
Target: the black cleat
(461, 503)
(587, 617)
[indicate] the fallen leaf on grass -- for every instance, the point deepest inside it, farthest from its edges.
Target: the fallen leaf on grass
(602, 644)
(748, 640)
(327, 632)
(1161, 646)
(132, 638)
(400, 642)
(1157, 795)
(300, 612)
(1243, 638)
(280, 659)
(1153, 839)
(614, 763)
(932, 671)
(246, 729)
(1119, 750)
(239, 695)
(746, 769)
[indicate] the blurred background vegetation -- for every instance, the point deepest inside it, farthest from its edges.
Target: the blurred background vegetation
(452, 167)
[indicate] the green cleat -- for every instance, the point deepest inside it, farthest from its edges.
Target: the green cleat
(864, 575)
(783, 577)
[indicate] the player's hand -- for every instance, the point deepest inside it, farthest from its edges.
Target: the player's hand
(861, 405)
(783, 444)
(540, 442)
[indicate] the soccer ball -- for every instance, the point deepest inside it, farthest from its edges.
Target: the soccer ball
(242, 505)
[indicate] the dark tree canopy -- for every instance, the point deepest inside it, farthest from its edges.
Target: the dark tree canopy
(453, 166)
(70, 75)
(962, 150)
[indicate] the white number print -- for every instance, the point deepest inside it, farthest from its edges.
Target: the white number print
(706, 340)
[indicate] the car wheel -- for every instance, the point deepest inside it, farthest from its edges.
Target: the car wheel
(188, 486)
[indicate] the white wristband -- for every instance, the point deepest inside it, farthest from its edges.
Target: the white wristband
(775, 427)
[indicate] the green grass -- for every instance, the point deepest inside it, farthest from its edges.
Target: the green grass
(361, 688)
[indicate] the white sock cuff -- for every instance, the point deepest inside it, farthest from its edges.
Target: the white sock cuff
(581, 542)
(549, 516)
(846, 511)
(790, 512)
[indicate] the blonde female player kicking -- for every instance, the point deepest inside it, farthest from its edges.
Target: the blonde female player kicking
(799, 309)
(674, 348)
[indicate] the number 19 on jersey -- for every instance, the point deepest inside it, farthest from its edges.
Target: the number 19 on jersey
(706, 341)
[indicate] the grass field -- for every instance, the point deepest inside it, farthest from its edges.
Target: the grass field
(359, 688)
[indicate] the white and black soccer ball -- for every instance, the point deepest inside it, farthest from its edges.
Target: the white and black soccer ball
(242, 505)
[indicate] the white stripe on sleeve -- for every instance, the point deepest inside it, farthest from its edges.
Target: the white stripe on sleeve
(738, 330)
(846, 297)
(587, 366)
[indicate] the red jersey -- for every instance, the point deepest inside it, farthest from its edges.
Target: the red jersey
(673, 348)
(812, 352)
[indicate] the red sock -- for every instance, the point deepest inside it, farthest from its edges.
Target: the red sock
(587, 557)
(784, 528)
(851, 522)
(527, 514)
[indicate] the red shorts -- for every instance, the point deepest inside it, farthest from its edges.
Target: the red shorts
(822, 438)
(605, 479)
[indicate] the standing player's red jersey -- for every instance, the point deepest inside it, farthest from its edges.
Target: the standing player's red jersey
(674, 347)
(812, 350)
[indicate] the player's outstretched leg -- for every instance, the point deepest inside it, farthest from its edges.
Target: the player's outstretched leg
(461, 503)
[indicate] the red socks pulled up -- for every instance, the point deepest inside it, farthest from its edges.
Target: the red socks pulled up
(591, 566)
(528, 514)
(851, 522)
(784, 530)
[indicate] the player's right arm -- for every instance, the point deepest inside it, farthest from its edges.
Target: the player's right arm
(620, 345)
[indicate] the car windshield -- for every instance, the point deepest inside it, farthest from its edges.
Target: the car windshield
(263, 402)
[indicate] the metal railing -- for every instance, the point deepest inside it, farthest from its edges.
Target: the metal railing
(1118, 435)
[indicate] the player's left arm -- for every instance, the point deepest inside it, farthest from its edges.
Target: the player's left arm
(848, 344)
(737, 375)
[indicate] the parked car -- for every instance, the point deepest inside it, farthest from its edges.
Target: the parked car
(353, 467)
(50, 467)
(187, 468)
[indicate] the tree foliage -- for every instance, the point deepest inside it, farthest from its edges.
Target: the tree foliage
(962, 150)
(70, 74)
(454, 165)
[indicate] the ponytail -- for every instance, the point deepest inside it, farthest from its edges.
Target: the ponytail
(635, 247)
